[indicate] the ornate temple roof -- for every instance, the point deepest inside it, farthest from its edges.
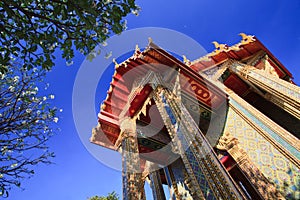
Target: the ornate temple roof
(120, 87)
(249, 49)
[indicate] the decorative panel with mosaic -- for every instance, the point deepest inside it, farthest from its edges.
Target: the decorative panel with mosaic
(267, 158)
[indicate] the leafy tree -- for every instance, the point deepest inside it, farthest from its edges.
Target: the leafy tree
(33, 29)
(110, 196)
(27, 121)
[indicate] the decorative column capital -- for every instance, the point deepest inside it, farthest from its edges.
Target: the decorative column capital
(227, 141)
(230, 144)
(128, 126)
(127, 129)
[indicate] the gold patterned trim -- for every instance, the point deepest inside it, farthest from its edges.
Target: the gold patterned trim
(270, 124)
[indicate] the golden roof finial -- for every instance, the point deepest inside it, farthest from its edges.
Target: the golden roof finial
(137, 52)
(246, 39)
(103, 106)
(150, 40)
(137, 49)
(216, 44)
(219, 47)
(244, 36)
(116, 64)
(185, 60)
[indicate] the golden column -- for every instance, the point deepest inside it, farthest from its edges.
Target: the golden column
(282, 93)
(152, 175)
(132, 178)
(156, 186)
(197, 155)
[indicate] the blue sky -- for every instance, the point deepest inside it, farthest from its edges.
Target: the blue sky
(76, 174)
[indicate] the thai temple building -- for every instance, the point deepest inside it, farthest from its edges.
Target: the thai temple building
(224, 126)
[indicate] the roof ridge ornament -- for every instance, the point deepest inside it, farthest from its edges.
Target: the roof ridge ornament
(150, 40)
(246, 39)
(267, 68)
(186, 61)
(116, 63)
(137, 49)
(137, 52)
(220, 47)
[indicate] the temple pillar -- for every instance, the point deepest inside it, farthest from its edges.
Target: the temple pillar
(265, 188)
(133, 186)
(280, 92)
(207, 177)
(156, 186)
(152, 175)
(171, 183)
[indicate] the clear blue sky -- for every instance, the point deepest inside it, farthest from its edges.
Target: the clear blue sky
(76, 174)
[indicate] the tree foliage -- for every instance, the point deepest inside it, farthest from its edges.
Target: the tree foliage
(30, 32)
(33, 29)
(110, 196)
(27, 121)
